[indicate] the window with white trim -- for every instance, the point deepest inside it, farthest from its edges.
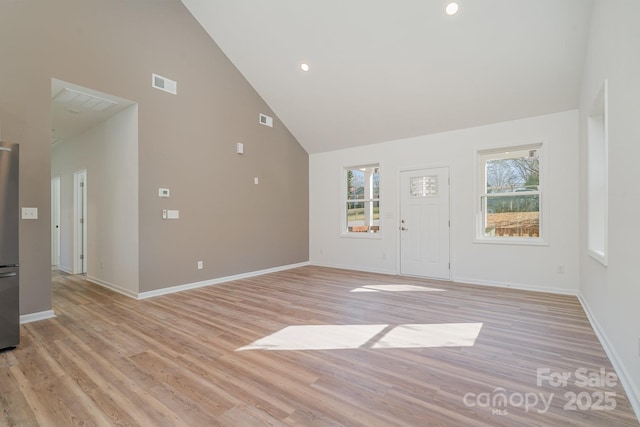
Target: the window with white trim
(361, 204)
(510, 195)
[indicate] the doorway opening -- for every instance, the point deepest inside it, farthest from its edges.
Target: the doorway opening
(94, 138)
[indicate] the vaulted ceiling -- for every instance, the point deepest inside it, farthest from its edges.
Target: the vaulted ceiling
(383, 70)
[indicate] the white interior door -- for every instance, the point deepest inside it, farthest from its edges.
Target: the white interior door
(55, 221)
(424, 223)
(80, 219)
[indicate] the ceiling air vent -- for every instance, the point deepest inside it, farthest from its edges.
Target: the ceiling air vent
(164, 84)
(75, 99)
(266, 120)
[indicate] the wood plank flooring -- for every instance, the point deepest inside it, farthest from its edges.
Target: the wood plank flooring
(173, 360)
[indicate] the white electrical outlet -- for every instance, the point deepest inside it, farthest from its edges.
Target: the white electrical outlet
(29, 213)
(200, 265)
(163, 192)
(560, 268)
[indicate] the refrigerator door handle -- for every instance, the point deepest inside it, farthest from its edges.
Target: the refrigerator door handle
(5, 275)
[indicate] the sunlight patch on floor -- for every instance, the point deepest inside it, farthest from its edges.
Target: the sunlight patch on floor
(430, 335)
(395, 288)
(342, 337)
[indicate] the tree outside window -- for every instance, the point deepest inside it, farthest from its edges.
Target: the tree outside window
(362, 213)
(510, 196)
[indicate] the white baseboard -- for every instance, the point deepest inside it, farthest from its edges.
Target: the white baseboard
(187, 286)
(354, 268)
(65, 269)
(518, 286)
(633, 394)
(113, 287)
(470, 281)
(34, 317)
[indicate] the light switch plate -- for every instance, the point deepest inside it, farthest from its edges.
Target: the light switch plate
(173, 214)
(163, 192)
(29, 213)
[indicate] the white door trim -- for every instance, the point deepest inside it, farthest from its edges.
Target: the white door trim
(55, 221)
(79, 228)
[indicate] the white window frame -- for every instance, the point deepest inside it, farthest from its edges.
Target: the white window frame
(344, 199)
(480, 194)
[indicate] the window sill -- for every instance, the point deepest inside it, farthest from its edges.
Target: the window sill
(598, 256)
(530, 241)
(361, 235)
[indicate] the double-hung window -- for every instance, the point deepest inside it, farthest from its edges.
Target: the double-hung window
(511, 195)
(361, 205)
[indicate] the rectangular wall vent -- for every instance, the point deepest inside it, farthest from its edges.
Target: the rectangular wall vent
(266, 120)
(164, 84)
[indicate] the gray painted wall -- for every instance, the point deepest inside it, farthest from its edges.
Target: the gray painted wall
(186, 142)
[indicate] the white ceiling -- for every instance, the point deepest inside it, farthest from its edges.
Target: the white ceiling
(69, 119)
(383, 70)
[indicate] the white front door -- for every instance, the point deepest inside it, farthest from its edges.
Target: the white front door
(424, 223)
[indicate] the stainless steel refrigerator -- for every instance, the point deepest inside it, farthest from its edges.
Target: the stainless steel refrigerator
(9, 266)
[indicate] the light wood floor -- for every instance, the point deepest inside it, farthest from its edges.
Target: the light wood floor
(172, 360)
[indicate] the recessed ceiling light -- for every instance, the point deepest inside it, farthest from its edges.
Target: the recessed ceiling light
(304, 67)
(452, 8)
